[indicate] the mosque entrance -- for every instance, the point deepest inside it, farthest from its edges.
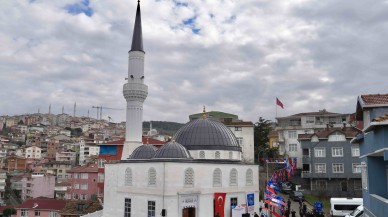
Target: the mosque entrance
(188, 212)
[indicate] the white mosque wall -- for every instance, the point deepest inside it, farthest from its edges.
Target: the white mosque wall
(170, 178)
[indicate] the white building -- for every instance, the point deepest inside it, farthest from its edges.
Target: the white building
(33, 152)
(181, 178)
(290, 127)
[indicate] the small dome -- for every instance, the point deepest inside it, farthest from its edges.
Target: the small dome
(172, 150)
(207, 134)
(145, 151)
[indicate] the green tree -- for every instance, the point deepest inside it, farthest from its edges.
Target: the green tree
(9, 211)
(261, 131)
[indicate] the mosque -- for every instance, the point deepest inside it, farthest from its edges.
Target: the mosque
(183, 178)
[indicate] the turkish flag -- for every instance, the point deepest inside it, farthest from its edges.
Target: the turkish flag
(279, 103)
(219, 204)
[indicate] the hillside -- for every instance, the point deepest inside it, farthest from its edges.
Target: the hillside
(164, 127)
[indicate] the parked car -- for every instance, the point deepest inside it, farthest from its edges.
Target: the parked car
(296, 196)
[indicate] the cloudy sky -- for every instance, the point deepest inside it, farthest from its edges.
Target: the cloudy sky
(231, 56)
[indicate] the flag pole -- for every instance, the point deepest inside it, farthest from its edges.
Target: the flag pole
(276, 106)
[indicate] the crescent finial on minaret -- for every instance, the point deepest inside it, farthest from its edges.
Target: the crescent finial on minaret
(204, 112)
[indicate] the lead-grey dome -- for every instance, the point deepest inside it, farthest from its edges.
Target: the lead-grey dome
(145, 151)
(206, 134)
(172, 150)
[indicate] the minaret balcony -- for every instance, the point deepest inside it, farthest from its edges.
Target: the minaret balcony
(135, 92)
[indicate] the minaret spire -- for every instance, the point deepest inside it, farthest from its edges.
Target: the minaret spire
(137, 39)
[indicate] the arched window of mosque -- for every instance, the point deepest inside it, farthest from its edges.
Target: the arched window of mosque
(202, 154)
(217, 178)
(249, 177)
(233, 177)
(189, 177)
(230, 155)
(217, 155)
(152, 177)
(128, 177)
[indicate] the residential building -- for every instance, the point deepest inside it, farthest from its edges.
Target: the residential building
(38, 184)
(331, 165)
(373, 111)
(66, 156)
(59, 169)
(3, 177)
(87, 151)
(290, 127)
(54, 145)
(83, 182)
(61, 190)
(16, 163)
(41, 206)
(33, 152)
(81, 208)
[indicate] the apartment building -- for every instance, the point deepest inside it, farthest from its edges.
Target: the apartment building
(37, 184)
(42, 207)
(33, 152)
(330, 164)
(83, 182)
(290, 127)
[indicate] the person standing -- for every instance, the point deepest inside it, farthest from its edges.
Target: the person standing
(288, 204)
(293, 213)
(304, 209)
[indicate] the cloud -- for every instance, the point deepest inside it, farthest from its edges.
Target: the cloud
(231, 56)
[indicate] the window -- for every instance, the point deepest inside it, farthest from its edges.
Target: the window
(230, 155)
(60, 176)
(189, 177)
(292, 134)
(337, 136)
(319, 152)
(101, 177)
(127, 207)
(128, 177)
(151, 177)
(75, 196)
(249, 177)
(233, 177)
(310, 120)
(84, 186)
(202, 154)
(338, 168)
(320, 168)
(321, 184)
(239, 140)
(101, 163)
(217, 178)
(357, 185)
(83, 196)
(217, 155)
(76, 186)
(337, 152)
(355, 151)
(75, 175)
(151, 208)
(233, 202)
(84, 176)
(364, 176)
(292, 147)
(53, 214)
(344, 186)
(238, 129)
(24, 212)
(356, 168)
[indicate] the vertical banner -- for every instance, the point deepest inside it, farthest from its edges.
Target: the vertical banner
(219, 204)
(251, 203)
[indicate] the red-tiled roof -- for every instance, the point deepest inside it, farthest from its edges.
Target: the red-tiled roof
(239, 123)
(349, 132)
(375, 98)
(92, 168)
(144, 140)
(42, 203)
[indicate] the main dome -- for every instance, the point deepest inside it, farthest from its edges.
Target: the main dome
(206, 134)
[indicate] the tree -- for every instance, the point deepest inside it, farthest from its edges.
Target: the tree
(261, 131)
(9, 212)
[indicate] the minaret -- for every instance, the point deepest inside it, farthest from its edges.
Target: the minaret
(135, 91)
(75, 106)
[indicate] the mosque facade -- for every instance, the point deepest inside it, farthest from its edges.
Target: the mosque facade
(183, 177)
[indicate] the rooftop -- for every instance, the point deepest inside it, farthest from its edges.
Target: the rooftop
(42, 203)
(375, 99)
(92, 168)
(349, 132)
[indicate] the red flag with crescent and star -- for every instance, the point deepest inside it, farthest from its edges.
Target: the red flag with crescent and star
(219, 204)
